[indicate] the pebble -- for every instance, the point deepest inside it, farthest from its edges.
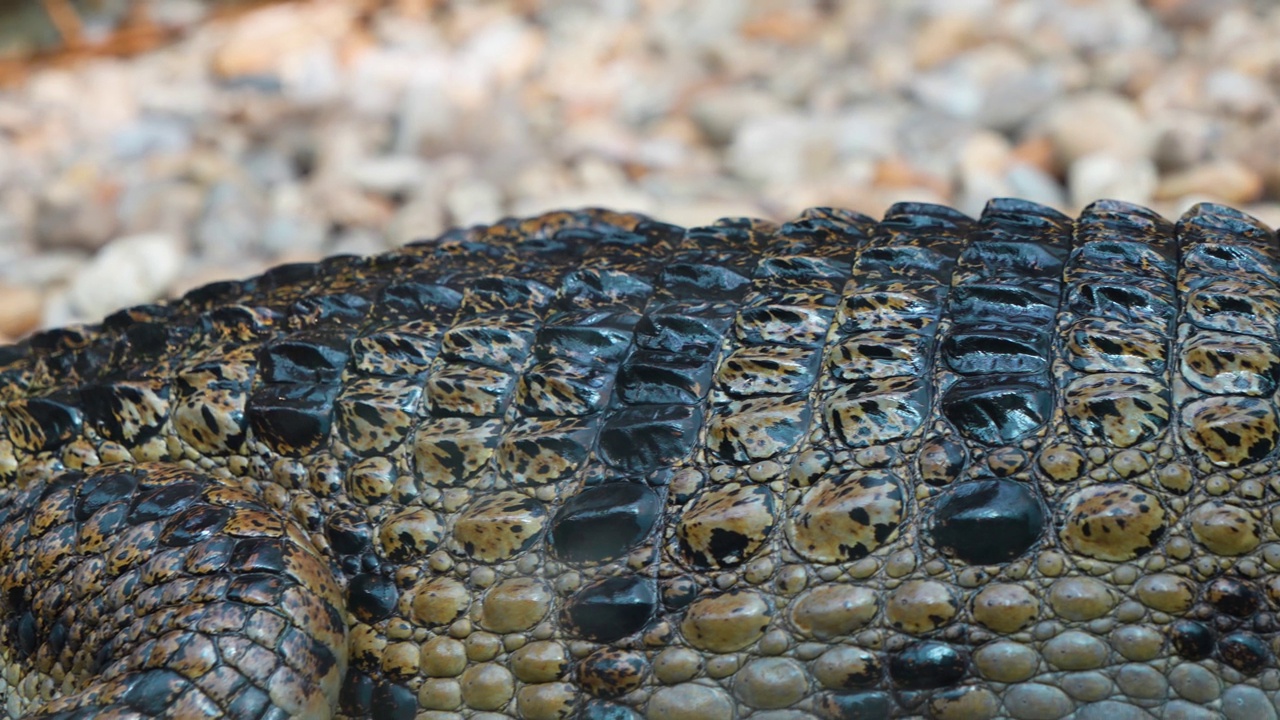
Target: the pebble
(1227, 181)
(1101, 175)
(230, 223)
(720, 113)
(389, 174)
(359, 130)
(127, 271)
(1099, 123)
(19, 310)
(781, 149)
(75, 209)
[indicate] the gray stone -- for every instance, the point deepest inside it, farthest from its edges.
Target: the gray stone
(151, 135)
(231, 223)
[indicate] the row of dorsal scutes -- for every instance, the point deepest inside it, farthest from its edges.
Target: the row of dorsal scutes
(763, 394)
(647, 456)
(611, 397)
(850, 490)
(1112, 422)
(993, 375)
(1224, 382)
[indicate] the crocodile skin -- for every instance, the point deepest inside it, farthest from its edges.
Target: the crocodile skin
(593, 465)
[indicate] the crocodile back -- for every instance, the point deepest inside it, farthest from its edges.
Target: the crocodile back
(1019, 465)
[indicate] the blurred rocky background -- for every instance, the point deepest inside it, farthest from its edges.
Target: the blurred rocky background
(147, 147)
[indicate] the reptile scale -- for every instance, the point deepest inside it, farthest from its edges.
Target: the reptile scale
(591, 465)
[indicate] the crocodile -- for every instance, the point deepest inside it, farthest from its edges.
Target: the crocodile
(593, 465)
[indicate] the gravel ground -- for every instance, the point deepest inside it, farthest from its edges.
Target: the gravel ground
(306, 129)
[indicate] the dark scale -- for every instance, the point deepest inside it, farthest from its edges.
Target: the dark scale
(688, 326)
(594, 465)
(987, 521)
(1245, 652)
(928, 665)
(998, 409)
(305, 357)
(1191, 640)
(604, 521)
(294, 418)
(661, 378)
(1233, 596)
(611, 609)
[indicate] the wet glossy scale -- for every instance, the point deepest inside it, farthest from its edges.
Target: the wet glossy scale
(590, 465)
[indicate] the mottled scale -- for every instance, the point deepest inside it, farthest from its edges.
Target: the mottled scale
(758, 428)
(793, 319)
(752, 371)
(1225, 364)
(847, 518)
(461, 388)
(1224, 258)
(916, 309)
(1235, 306)
(41, 423)
(1211, 222)
(497, 341)
(375, 415)
(877, 411)
(559, 387)
(1122, 409)
(403, 350)
(1097, 345)
(503, 295)
(726, 526)
(1128, 300)
(879, 353)
(539, 452)
(209, 412)
(453, 452)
